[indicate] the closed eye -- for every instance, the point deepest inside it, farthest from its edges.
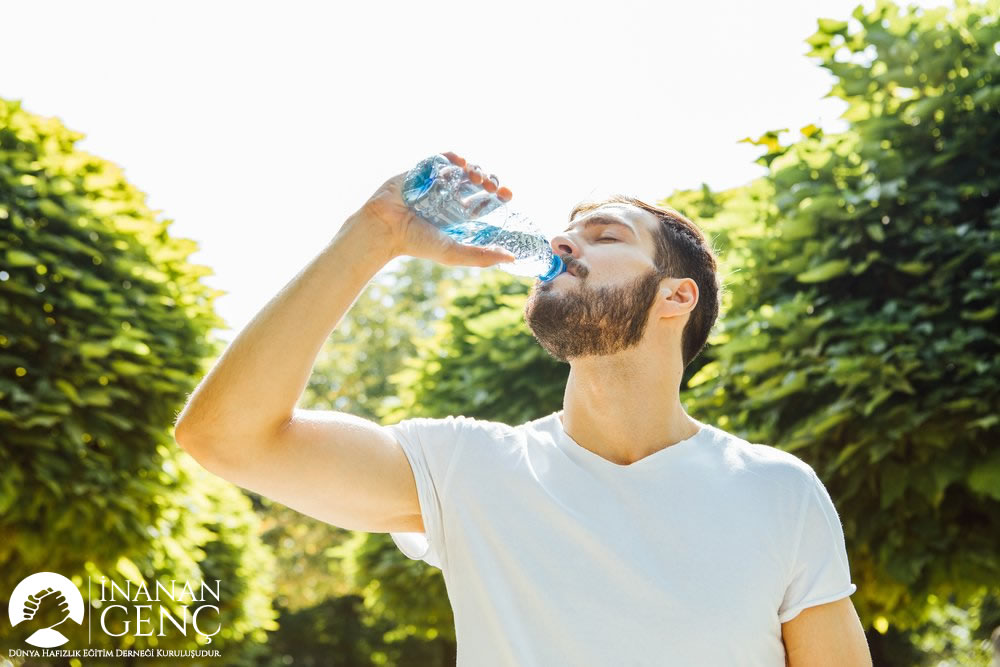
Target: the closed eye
(607, 238)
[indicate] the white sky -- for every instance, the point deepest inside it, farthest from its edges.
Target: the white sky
(258, 128)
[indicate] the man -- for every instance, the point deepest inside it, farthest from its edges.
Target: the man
(617, 530)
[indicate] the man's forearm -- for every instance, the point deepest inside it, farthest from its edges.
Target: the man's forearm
(256, 383)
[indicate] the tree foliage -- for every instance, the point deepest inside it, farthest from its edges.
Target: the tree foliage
(863, 328)
(346, 593)
(104, 324)
(482, 360)
(385, 326)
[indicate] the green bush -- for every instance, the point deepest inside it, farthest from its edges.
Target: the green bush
(104, 333)
(863, 333)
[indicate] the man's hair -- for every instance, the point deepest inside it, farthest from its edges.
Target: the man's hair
(682, 251)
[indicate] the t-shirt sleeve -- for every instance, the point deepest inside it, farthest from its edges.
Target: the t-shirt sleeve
(820, 572)
(431, 446)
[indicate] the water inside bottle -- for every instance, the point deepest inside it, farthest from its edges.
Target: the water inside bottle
(534, 257)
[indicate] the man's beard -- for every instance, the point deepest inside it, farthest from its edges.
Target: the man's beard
(575, 321)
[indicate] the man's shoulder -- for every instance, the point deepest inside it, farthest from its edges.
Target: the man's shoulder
(457, 425)
(759, 459)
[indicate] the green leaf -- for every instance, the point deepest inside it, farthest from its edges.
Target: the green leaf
(707, 372)
(41, 420)
(17, 258)
(875, 232)
(90, 349)
(845, 454)
(68, 389)
(129, 570)
(893, 484)
(95, 396)
(81, 300)
(763, 362)
(494, 322)
(797, 227)
(50, 209)
(914, 268)
(818, 39)
(824, 272)
(982, 315)
(985, 477)
(809, 130)
(128, 368)
(880, 396)
(832, 26)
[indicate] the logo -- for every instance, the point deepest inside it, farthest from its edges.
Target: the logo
(48, 599)
(44, 601)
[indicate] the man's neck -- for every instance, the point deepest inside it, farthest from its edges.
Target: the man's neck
(626, 406)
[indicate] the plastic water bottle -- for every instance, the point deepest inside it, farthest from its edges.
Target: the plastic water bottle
(471, 215)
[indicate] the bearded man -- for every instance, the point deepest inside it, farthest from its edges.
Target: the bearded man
(618, 530)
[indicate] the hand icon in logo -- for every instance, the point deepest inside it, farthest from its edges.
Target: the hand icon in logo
(47, 607)
(45, 600)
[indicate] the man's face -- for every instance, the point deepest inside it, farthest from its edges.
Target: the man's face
(604, 308)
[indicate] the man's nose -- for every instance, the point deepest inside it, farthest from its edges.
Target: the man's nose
(563, 244)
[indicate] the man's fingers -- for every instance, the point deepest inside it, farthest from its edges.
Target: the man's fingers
(461, 254)
(500, 256)
(455, 158)
(447, 171)
(475, 204)
(475, 174)
(490, 183)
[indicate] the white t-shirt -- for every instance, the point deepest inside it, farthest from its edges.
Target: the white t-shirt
(553, 555)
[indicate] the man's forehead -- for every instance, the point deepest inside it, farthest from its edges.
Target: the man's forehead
(625, 210)
(637, 218)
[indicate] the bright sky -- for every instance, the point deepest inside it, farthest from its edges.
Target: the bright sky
(258, 128)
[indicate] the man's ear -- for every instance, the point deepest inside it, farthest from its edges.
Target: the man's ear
(677, 296)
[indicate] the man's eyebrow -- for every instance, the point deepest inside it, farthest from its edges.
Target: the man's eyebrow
(599, 219)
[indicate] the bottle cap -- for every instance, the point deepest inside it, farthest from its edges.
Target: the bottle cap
(558, 266)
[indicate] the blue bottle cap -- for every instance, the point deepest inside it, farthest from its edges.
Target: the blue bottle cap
(555, 268)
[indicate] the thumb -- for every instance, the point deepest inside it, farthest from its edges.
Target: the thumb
(470, 255)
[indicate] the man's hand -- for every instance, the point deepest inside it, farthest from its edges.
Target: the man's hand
(405, 233)
(46, 609)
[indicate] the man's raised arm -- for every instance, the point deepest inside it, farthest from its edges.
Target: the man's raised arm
(241, 422)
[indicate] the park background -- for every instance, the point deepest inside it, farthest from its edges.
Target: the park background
(842, 159)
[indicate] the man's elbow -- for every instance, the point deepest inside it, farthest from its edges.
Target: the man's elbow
(184, 435)
(203, 447)
(196, 446)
